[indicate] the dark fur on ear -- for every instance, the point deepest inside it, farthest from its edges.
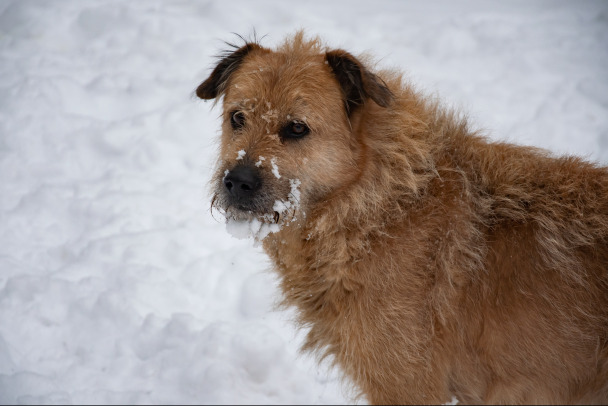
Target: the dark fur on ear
(357, 83)
(228, 64)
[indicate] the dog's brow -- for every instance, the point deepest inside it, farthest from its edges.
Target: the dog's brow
(242, 104)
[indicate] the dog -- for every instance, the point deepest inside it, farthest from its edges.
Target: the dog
(429, 263)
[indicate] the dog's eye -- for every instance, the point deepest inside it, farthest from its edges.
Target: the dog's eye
(237, 119)
(295, 129)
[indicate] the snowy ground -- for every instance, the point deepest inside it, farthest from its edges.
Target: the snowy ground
(116, 283)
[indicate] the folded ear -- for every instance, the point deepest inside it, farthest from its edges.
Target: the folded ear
(357, 83)
(216, 82)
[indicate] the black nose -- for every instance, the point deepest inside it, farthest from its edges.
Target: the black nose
(242, 182)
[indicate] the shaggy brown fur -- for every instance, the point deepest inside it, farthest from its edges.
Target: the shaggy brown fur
(428, 262)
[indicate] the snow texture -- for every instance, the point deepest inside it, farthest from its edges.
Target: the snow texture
(275, 168)
(117, 284)
(254, 228)
(293, 201)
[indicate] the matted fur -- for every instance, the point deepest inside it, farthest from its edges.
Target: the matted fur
(428, 262)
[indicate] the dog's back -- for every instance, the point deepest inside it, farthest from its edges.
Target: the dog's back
(530, 323)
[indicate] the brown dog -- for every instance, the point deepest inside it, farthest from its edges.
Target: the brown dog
(428, 262)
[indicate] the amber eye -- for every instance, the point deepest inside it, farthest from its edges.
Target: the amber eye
(295, 129)
(237, 119)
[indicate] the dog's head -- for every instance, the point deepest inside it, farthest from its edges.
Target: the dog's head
(288, 134)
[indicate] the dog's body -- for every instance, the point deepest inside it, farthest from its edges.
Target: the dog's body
(427, 261)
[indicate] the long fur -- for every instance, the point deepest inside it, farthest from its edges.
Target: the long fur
(444, 265)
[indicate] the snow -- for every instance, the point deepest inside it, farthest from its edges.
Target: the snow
(292, 204)
(454, 401)
(117, 284)
(257, 229)
(275, 168)
(261, 159)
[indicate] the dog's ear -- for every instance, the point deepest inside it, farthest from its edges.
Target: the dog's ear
(229, 63)
(357, 83)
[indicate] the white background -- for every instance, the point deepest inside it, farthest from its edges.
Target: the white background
(116, 283)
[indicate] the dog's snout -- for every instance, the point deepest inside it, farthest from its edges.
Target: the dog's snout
(242, 182)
